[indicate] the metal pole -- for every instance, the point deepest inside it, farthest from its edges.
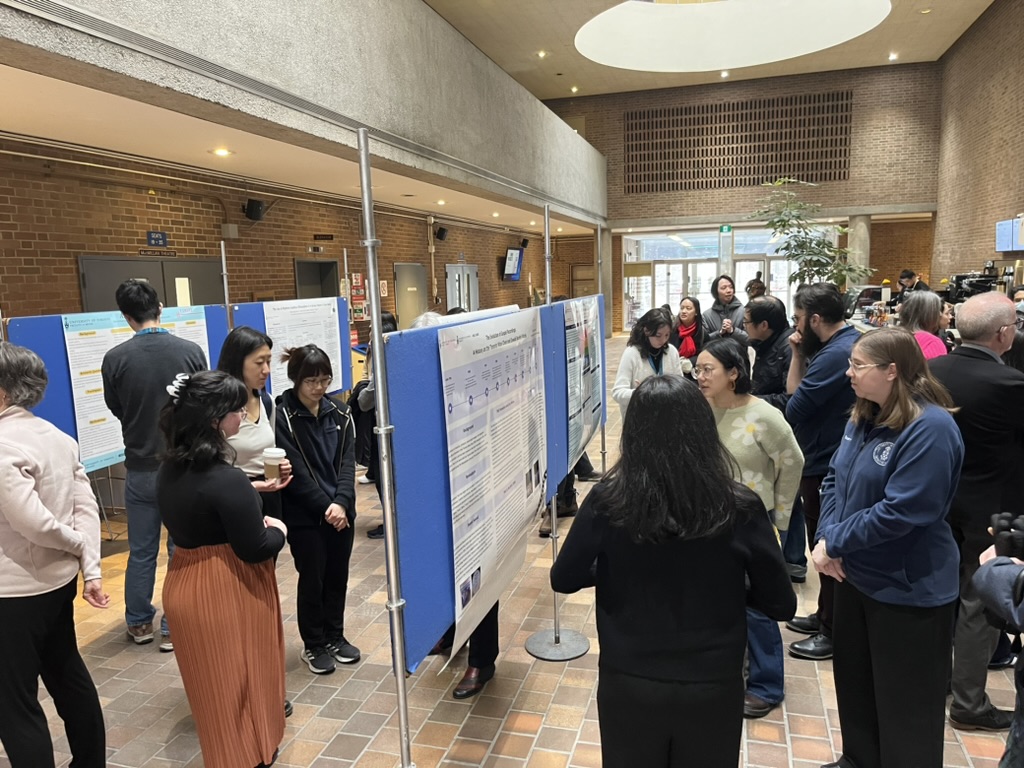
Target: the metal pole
(224, 274)
(600, 290)
(554, 645)
(383, 430)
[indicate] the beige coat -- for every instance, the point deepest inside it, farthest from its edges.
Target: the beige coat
(49, 521)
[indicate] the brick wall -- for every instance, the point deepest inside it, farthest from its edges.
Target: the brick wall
(894, 151)
(899, 245)
(52, 212)
(981, 168)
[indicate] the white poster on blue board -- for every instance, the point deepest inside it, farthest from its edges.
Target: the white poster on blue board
(300, 322)
(493, 380)
(585, 369)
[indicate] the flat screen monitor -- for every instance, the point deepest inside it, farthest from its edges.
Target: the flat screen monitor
(513, 264)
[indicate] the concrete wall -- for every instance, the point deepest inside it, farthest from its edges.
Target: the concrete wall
(981, 158)
(438, 106)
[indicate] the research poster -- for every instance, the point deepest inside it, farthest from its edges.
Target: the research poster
(493, 379)
(584, 347)
(300, 322)
(87, 338)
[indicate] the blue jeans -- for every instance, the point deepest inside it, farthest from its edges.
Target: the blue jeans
(767, 673)
(794, 541)
(143, 547)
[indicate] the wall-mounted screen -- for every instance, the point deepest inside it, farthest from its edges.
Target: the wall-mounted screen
(513, 264)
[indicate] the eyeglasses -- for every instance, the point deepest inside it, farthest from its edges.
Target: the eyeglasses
(858, 367)
(702, 370)
(1018, 324)
(323, 382)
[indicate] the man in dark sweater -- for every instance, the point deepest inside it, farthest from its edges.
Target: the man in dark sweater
(135, 378)
(818, 409)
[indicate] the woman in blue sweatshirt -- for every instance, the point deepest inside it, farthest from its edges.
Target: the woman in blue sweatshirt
(883, 536)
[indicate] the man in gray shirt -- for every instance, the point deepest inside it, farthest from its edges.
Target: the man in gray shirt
(135, 378)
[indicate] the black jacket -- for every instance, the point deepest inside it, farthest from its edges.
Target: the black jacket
(321, 450)
(771, 368)
(990, 397)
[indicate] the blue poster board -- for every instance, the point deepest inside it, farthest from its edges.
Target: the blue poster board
(44, 335)
(252, 316)
(422, 486)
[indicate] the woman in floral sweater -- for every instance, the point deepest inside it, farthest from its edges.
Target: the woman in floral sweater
(769, 462)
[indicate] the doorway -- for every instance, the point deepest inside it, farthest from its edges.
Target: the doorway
(410, 292)
(180, 282)
(462, 286)
(316, 279)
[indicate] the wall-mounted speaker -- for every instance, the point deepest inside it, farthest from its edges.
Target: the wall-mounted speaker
(254, 209)
(441, 233)
(524, 243)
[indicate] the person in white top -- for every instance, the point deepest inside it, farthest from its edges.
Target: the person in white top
(245, 355)
(49, 531)
(648, 353)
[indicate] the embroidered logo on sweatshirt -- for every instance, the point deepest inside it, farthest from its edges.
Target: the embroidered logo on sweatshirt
(882, 453)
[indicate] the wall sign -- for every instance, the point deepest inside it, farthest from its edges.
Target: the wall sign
(158, 239)
(323, 237)
(152, 252)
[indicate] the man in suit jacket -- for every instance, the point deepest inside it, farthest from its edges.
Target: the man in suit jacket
(990, 396)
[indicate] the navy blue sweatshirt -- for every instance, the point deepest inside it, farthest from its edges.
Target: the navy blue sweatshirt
(820, 407)
(883, 509)
(322, 453)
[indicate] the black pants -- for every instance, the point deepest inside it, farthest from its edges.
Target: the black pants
(664, 724)
(891, 665)
(483, 642)
(809, 486)
(38, 639)
(321, 557)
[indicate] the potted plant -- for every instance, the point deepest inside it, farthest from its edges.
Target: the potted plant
(805, 242)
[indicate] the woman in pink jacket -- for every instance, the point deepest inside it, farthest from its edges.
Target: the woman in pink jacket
(49, 531)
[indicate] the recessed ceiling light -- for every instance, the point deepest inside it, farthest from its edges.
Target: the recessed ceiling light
(221, 152)
(926, 10)
(630, 229)
(440, 202)
(893, 56)
(495, 214)
(541, 54)
(725, 73)
(406, 194)
(574, 89)
(559, 229)
(533, 223)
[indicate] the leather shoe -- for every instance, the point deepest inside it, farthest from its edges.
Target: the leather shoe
(590, 477)
(993, 720)
(288, 708)
(805, 625)
(755, 706)
(816, 648)
(1003, 663)
(441, 648)
(472, 682)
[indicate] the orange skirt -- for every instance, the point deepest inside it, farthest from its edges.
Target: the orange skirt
(225, 616)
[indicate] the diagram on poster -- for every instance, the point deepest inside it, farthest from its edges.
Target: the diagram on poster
(300, 322)
(88, 337)
(584, 348)
(493, 379)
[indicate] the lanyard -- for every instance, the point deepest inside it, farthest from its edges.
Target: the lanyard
(155, 329)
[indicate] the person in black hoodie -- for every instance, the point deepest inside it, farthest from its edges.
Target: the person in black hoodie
(318, 436)
(725, 318)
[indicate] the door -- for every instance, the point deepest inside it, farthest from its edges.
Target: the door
(316, 279)
(669, 280)
(637, 290)
(192, 283)
(410, 292)
(582, 280)
(101, 275)
(462, 286)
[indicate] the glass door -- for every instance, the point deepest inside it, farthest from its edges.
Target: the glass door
(700, 276)
(638, 292)
(669, 280)
(779, 286)
(746, 271)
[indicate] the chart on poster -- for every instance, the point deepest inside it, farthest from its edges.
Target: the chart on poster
(300, 322)
(585, 369)
(492, 373)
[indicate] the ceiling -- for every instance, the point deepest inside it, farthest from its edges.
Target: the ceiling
(512, 34)
(39, 106)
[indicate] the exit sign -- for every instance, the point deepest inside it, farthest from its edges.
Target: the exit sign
(725, 229)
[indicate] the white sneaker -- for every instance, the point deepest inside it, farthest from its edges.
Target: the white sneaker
(364, 480)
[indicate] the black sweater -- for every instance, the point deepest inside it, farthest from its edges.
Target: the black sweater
(217, 505)
(676, 610)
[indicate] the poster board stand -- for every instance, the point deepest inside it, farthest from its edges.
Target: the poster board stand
(600, 290)
(555, 644)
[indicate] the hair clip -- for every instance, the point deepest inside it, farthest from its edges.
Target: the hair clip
(175, 388)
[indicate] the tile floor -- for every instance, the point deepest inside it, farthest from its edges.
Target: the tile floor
(534, 714)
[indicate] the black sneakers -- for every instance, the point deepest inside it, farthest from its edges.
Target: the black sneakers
(342, 651)
(318, 660)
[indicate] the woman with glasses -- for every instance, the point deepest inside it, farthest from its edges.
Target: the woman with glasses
(221, 589)
(884, 538)
(318, 437)
(767, 459)
(922, 315)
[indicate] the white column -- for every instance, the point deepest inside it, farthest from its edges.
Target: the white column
(858, 240)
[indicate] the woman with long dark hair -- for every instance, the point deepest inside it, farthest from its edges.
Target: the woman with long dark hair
(677, 550)
(246, 355)
(884, 538)
(648, 353)
(221, 590)
(319, 437)
(688, 336)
